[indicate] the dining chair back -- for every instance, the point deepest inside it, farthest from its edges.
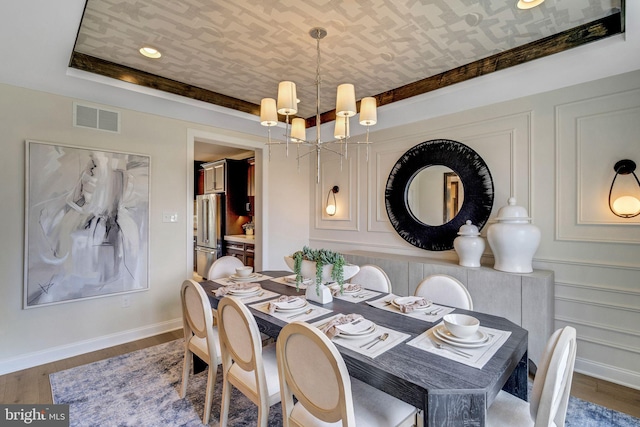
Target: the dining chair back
(312, 369)
(372, 277)
(246, 364)
(551, 386)
(223, 267)
(446, 290)
(200, 338)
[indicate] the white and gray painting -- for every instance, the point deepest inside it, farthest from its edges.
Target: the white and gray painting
(87, 223)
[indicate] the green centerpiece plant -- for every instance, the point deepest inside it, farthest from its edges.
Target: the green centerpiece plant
(321, 257)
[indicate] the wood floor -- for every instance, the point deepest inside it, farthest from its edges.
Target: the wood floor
(32, 385)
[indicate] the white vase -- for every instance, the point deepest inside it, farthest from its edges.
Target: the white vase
(320, 294)
(308, 270)
(469, 245)
(513, 239)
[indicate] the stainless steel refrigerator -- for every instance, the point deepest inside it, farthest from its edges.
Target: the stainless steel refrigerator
(210, 213)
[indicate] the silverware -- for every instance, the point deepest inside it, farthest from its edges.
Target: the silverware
(379, 339)
(432, 312)
(451, 349)
(300, 314)
(372, 341)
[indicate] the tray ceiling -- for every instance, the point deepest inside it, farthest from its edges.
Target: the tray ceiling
(233, 53)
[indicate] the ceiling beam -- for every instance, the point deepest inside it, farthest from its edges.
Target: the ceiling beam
(106, 68)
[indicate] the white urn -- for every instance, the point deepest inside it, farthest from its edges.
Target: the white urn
(513, 239)
(469, 245)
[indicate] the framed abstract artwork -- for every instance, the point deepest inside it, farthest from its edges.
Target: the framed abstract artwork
(86, 223)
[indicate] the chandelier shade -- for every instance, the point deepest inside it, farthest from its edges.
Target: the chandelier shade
(368, 114)
(268, 113)
(340, 130)
(287, 98)
(298, 130)
(346, 100)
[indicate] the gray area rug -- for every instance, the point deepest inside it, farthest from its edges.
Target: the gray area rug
(142, 388)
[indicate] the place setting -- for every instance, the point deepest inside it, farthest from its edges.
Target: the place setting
(242, 275)
(290, 280)
(246, 292)
(361, 335)
(412, 306)
(352, 292)
(461, 338)
(291, 308)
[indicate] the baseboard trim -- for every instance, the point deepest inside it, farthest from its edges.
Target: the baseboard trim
(29, 360)
(609, 373)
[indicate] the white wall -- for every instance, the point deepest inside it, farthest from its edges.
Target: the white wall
(38, 335)
(555, 153)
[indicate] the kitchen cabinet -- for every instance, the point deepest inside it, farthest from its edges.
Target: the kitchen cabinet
(215, 176)
(243, 251)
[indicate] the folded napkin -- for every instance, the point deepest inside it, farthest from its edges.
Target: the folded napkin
(347, 287)
(416, 303)
(282, 302)
(331, 328)
(223, 290)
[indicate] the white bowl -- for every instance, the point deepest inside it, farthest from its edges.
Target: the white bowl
(461, 325)
(244, 271)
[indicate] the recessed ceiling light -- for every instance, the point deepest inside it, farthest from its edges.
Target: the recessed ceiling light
(150, 52)
(528, 4)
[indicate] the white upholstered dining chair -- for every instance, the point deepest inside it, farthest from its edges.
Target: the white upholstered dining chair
(312, 370)
(446, 290)
(223, 267)
(372, 277)
(549, 398)
(200, 338)
(246, 365)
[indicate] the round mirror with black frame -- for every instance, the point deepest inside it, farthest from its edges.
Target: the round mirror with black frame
(471, 170)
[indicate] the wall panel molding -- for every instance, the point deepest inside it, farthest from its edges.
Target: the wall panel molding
(599, 288)
(583, 301)
(591, 135)
(632, 267)
(343, 173)
(600, 326)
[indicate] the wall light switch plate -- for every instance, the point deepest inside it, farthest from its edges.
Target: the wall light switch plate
(169, 217)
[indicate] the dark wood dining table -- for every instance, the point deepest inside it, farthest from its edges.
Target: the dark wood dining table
(449, 393)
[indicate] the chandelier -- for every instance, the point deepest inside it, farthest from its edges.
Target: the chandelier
(295, 130)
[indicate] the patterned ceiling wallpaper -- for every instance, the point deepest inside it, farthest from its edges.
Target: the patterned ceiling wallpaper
(243, 48)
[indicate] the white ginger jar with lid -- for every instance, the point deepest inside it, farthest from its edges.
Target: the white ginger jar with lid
(469, 245)
(513, 239)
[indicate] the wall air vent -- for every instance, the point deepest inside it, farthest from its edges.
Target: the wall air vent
(86, 116)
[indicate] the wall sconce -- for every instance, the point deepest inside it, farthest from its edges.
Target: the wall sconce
(625, 206)
(330, 208)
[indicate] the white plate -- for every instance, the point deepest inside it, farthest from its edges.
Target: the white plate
(248, 278)
(336, 288)
(409, 300)
(371, 331)
(245, 294)
(442, 334)
(356, 328)
(292, 280)
(295, 305)
(252, 290)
